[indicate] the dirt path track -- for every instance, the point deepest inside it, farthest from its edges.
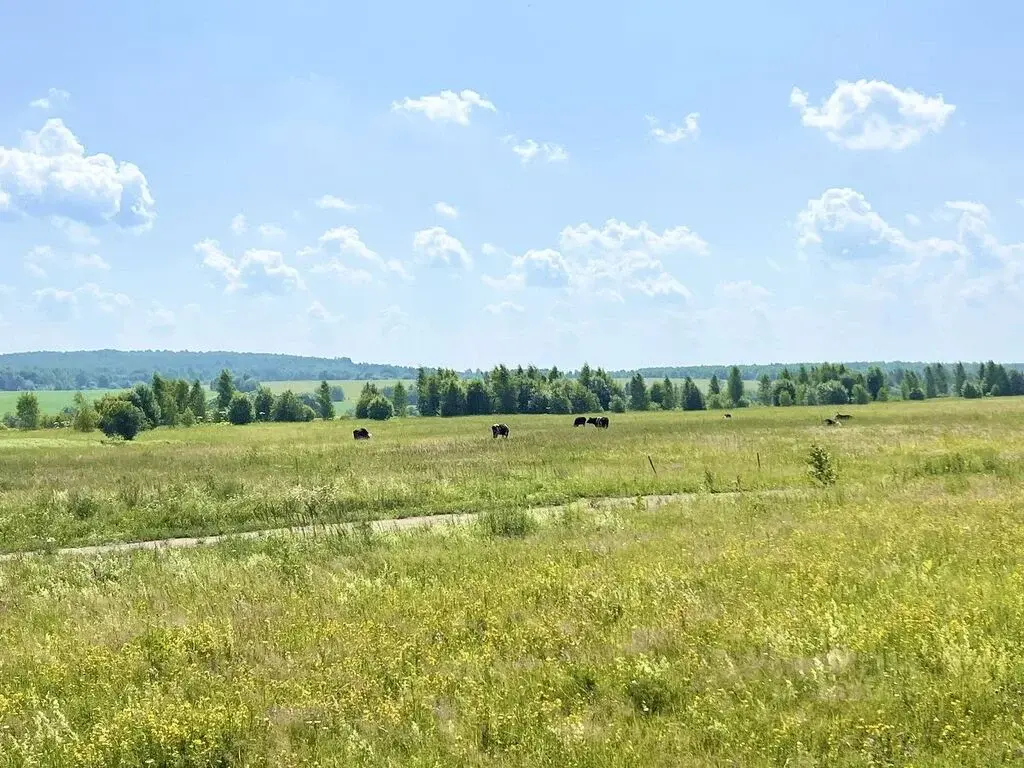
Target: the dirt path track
(379, 526)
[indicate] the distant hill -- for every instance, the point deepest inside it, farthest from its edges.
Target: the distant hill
(112, 369)
(108, 368)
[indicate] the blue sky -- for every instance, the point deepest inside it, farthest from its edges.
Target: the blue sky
(460, 184)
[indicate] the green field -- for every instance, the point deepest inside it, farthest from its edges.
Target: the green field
(876, 621)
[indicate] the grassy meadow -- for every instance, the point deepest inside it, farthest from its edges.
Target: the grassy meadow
(876, 621)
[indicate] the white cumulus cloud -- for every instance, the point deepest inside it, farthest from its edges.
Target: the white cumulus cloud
(530, 149)
(50, 174)
(504, 306)
(53, 99)
(239, 225)
(690, 129)
(271, 231)
(444, 209)
(258, 270)
(608, 260)
(434, 244)
(446, 106)
(350, 243)
(874, 115)
(318, 312)
(61, 305)
(330, 202)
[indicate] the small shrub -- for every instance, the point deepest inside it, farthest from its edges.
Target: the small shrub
(508, 523)
(188, 418)
(122, 419)
(240, 411)
(821, 465)
(617, 404)
(380, 409)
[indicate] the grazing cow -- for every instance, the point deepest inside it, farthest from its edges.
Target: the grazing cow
(580, 422)
(361, 434)
(499, 429)
(843, 416)
(831, 422)
(601, 421)
(727, 416)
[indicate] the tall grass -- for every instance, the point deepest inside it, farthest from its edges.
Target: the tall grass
(61, 489)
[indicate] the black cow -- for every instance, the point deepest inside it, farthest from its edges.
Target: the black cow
(361, 434)
(580, 422)
(601, 422)
(499, 429)
(728, 416)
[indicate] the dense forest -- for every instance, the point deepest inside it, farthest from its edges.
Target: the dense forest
(113, 369)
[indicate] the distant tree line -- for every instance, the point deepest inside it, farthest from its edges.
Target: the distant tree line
(113, 369)
(172, 402)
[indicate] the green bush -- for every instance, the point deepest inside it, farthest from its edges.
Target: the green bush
(240, 411)
(120, 418)
(380, 409)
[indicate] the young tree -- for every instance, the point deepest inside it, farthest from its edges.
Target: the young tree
(959, 379)
(669, 398)
(478, 399)
(970, 391)
(121, 418)
(26, 411)
(142, 397)
(86, 419)
(225, 389)
(941, 380)
(380, 409)
(263, 404)
(400, 399)
(874, 381)
(324, 401)
(735, 385)
(931, 389)
(240, 410)
(860, 394)
(453, 398)
(693, 399)
(617, 404)
(638, 396)
(197, 400)
(714, 388)
(657, 394)
(764, 389)
(288, 407)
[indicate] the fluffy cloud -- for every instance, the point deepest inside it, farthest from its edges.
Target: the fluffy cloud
(444, 209)
(271, 231)
(842, 227)
(332, 203)
(53, 99)
(257, 271)
(504, 306)
(76, 232)
(688, 130)
(530, 149)
(841, 224)
(447, 106)
(159, 318)
(349, 243)
(320, 314)
(608, 260)
(61, 305)
(434, 244)
(51, 174)
(873, 114)
(239, 225)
